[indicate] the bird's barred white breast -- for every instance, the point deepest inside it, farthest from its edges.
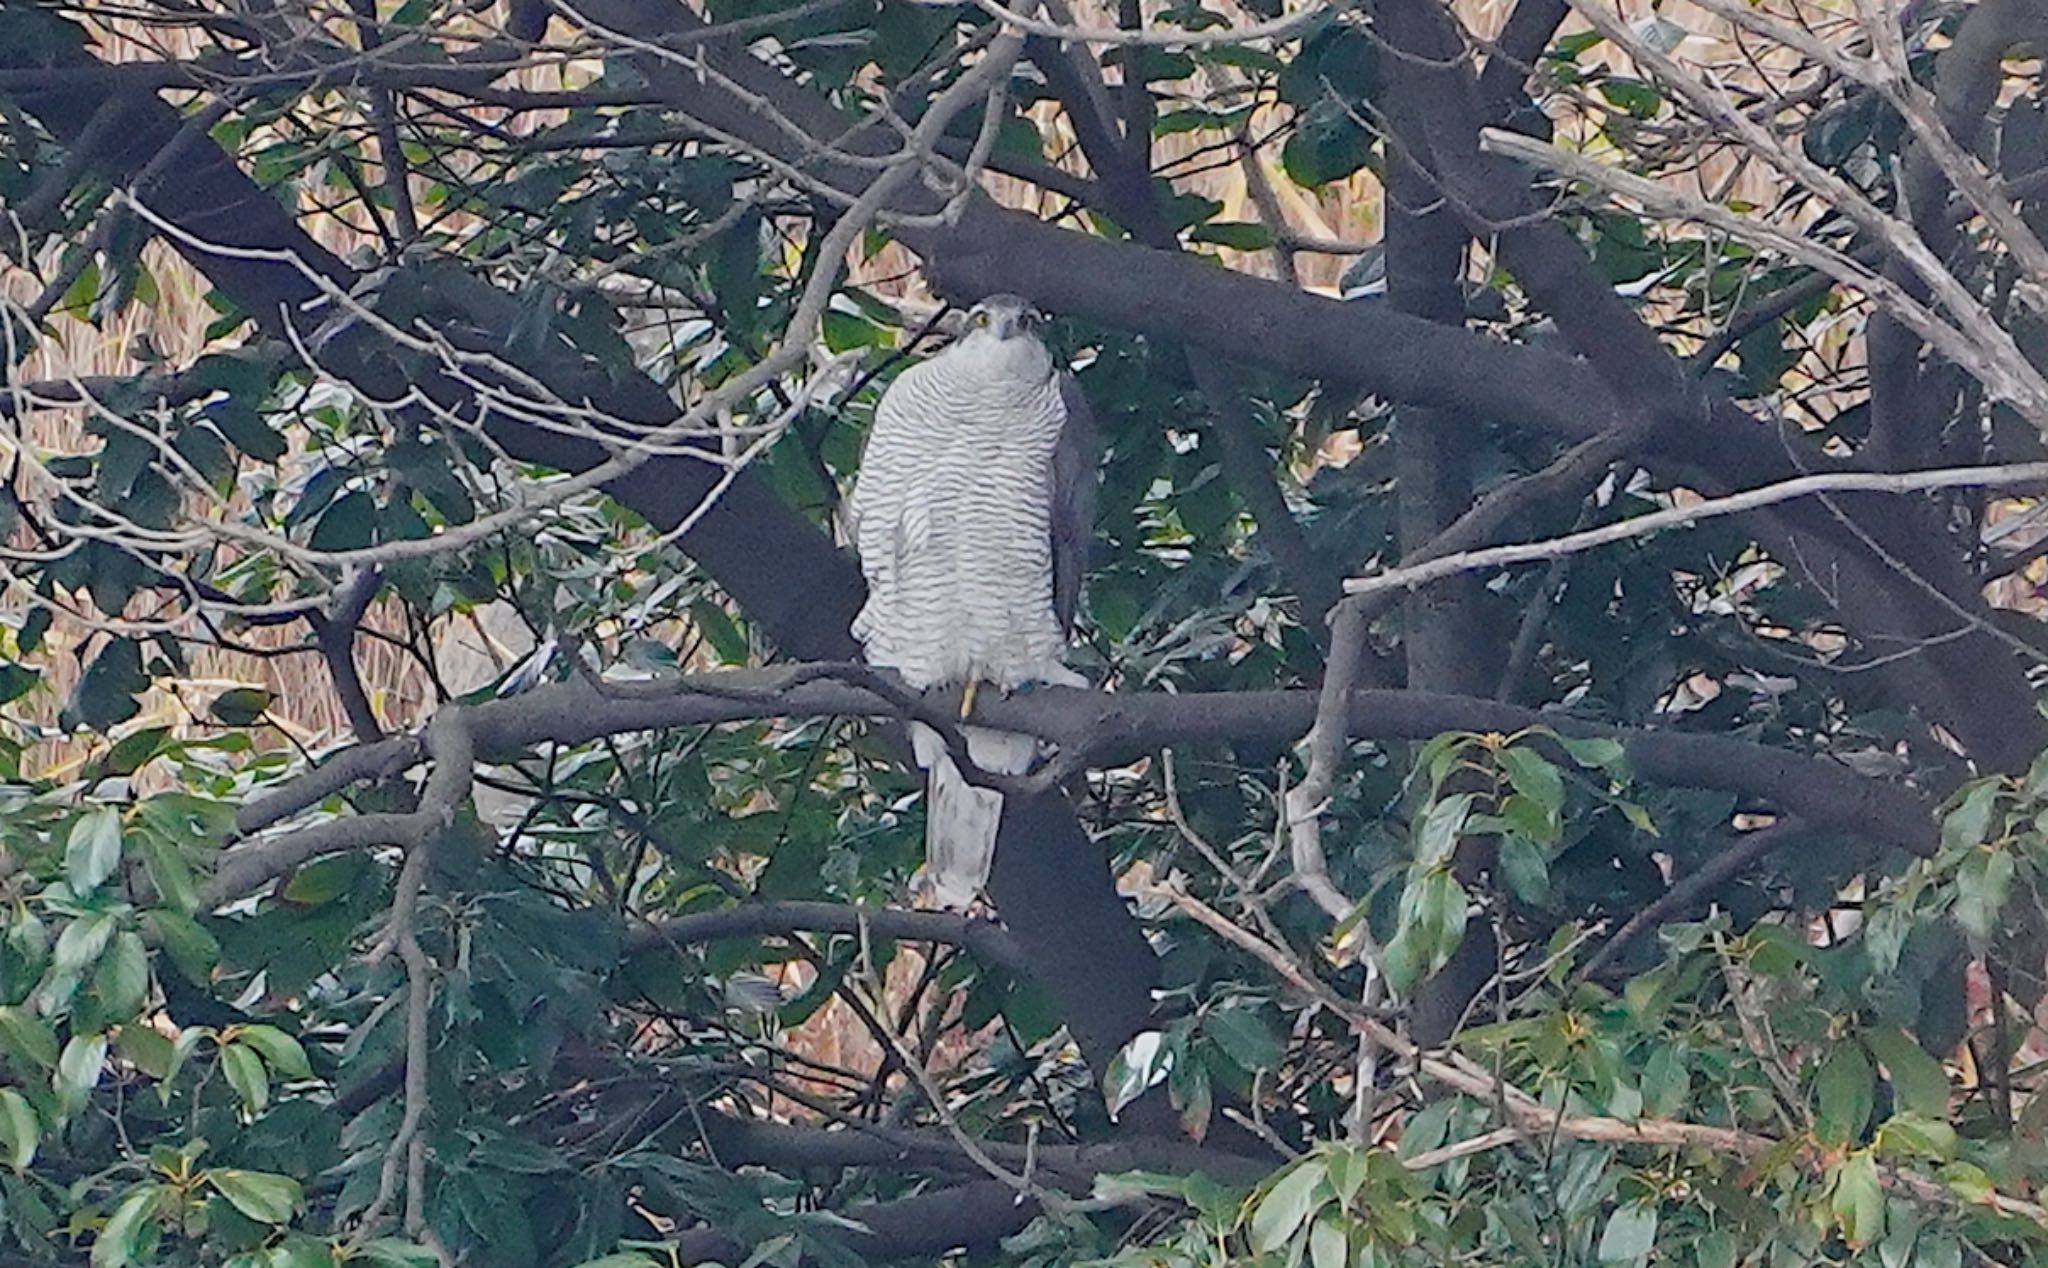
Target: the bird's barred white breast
(952, 513)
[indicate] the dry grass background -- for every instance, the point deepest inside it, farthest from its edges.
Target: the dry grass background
(469, 651)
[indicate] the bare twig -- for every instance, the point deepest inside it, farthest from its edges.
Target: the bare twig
(2003, 476)
(449, 742)
(1326, 741)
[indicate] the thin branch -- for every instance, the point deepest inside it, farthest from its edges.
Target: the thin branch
(449, 741)
(1529, 1115)
(1997, 476)
(1745, 850)
(987, 939)
(1327, 737)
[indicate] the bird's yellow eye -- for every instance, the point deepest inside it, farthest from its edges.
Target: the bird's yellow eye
(980, 321)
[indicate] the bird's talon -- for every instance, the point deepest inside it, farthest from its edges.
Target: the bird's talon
(967, 698)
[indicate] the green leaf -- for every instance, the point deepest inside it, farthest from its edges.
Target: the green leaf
(1908, 1136)
(1969, 1181)
(717, 627)
(1441, 755)
(27, 1038)
(244, 1071)
(240, 706)
(120, 982)
(1597, 752)
(1327, 1245)
(1632, 95)
(78, 1069)
(349, 524)
(1845, 1093)
(81, 943)
(279, 1050)
(1981, 892)
(389, 1252)
(1431, 924)
(182, 1048)
(1325, 146)
(1287, 1205)
(120, 1241)
(246, 430)
(29, 639)
(1857, 1199)
(1526, 868)
(1238, 235)
(1716, 1249)
(260, 1195)
(186, 941)
(1193, 1096)
(106, 692)
(1630, 1233)
(20, 1133)
(1970, 822)
(145, 1049)
(506, 1152)
(84, 288)
(1534, 777)
(1917, 1078)
(16, 680)
(324, 880)
(1244, 1037)
(1137, 1066)
(93, 850)
(168, 871)
(1530, 820)
(1638, 817)
(134, 751)
(1436, 835)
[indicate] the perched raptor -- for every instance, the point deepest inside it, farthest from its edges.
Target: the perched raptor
(972, 514)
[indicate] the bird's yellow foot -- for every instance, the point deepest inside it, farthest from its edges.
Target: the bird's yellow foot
(967, 698)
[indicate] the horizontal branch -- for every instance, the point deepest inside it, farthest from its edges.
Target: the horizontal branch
(926, 1226)
(1089, 728)
(987, 939)
(1071, 1166)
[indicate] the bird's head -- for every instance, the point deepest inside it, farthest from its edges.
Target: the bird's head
(1003, 317)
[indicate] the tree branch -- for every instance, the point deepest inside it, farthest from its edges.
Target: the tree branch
(1744, 850)
(987, 939)
(1089, 727)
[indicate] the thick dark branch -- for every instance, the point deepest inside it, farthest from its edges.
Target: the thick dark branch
(975, 1216)
(335, 632)
(1095, 728)
(1073, 1167)
(338, 773)
(989, 941)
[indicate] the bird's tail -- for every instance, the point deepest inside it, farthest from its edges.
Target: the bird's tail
(961, 819)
